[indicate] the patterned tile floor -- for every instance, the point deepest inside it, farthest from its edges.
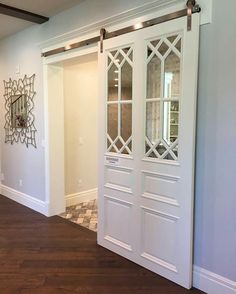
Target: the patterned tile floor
(84, 214)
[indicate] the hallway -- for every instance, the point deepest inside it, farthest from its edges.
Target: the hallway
(51, 255)
(84, 214)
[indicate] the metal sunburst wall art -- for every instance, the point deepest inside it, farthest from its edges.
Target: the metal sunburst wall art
(19, 104)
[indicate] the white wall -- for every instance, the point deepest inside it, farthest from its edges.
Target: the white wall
(81, 130)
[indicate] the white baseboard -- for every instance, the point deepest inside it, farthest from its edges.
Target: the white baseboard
(44, 207)
(24, 199)
(212, 283)
(73, 199)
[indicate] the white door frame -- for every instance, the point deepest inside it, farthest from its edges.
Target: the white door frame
(54, 128)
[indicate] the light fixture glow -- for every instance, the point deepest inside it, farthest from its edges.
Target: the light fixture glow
(138, 26)
(68, 47)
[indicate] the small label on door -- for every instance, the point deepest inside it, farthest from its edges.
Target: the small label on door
(112, 160)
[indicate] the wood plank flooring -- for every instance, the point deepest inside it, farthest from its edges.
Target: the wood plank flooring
(40, 255)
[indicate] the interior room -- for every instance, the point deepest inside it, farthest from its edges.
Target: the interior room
(113, 115)
(81, 139)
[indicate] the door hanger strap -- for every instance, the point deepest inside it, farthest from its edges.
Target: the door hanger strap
(102, 38)
(192, 7)
(190, 4)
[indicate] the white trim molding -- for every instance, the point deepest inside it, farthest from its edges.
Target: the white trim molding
(212, 283)
(26, 200)
(128, 17)
(85, 196)
(111, 20)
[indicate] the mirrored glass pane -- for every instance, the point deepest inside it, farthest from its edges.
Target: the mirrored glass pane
(169, 157)
(126, 121)
(119, 58)
(126, 50)
(112, 121)
(113, 53)
(178, 45)
(126, 81)
(113, 76)
(162, 112)
(109, 61)
(172, 76)
(173, 155)
(161, 149)
(154, 78)
(113, 150)
(153, 155)
(18, 111)
(153, 121)
(119, 144)
(125, 151)
(149, 52)
(163, 48)
(131, 55)
(155, 42)
(170, 121)
(130, 145)
(147, 148)
(172, 38)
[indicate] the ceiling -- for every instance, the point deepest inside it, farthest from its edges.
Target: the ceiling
(10, 25)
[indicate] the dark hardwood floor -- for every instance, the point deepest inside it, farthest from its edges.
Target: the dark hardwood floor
(50, 255)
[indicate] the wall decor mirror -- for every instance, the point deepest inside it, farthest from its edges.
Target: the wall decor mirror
(19, 104)
(18, 111)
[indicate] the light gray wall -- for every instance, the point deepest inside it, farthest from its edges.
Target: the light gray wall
(19, 162)
(23, 49)
(215, 213)
(215, 221)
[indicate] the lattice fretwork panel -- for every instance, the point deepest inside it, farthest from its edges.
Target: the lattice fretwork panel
(163, 91)
(119, 100)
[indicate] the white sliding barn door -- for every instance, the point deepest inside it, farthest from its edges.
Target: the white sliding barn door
(147, 140)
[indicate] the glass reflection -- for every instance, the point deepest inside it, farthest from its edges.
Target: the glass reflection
(172, 76)
(126, 81)
(126, 121)
(113, 76)
(153, 121)
(112, 121)
(154, 78)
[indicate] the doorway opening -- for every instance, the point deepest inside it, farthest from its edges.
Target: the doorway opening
(80, 89)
